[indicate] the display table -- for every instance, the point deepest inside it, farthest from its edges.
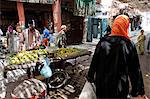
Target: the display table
(82, 52)
(60, 60)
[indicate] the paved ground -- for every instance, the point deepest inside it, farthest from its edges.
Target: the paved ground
(145, 66)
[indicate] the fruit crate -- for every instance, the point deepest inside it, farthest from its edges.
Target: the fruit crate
(59, 61)
(65, 54)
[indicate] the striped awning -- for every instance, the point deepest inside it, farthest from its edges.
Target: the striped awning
(30, 88)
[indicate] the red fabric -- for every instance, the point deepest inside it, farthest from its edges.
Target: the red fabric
(120, 26)
(43, 93)
(33, 97)
(45, 42)
(21, 15)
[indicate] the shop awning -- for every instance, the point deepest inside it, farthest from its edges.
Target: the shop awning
(36, 1)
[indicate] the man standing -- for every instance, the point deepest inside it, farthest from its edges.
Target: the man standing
(11, 38)
(32, 36)
(141, 42)
(61, 38)
(21, 37)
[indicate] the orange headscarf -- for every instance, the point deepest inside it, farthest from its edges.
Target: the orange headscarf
(120, 26)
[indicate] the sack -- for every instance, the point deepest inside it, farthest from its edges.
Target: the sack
(88, 91)
(46, 70)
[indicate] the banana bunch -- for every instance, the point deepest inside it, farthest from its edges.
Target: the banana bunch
(63, 52)
(26, 56)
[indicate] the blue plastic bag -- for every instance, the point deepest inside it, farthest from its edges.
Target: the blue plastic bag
(46, 70)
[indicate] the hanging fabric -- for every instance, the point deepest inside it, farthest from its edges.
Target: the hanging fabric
(84, 7)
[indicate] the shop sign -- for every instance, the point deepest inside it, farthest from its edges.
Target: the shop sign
(36, 1)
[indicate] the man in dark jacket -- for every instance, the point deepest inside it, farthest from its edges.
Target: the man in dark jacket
(115, 59)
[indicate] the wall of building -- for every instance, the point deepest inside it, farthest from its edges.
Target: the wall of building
(40, 13)
(74, 23)
(146, 21)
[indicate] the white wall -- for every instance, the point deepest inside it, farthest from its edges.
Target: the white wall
(146, 21)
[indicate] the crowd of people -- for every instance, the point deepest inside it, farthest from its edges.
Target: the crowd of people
(19, 39)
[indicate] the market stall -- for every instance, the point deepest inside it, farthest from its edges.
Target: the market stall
(29, 59)
(33, 59)
(31, 88)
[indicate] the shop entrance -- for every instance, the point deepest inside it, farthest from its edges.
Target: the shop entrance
(39, 14)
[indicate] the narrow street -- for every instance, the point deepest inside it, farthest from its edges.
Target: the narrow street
(78, 76)
(46, 46)
(144, 61)
(145, 66)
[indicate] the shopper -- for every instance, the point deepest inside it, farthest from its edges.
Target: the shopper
(46, 33)
(32, 36)
(61, 38)
(115, 59)
(21, 45)
(10, 34)
(141, 41)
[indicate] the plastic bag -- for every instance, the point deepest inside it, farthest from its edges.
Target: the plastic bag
(46, 70)
(88, 91)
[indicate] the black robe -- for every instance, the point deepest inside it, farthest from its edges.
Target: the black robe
(114, 61)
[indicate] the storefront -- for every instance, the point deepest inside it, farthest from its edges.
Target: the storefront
(9, 14)
(86, 8)
(73, 22)
(75, 27)
(40, 12)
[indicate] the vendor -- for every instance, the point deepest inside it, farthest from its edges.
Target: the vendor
(11, 38)
(46, 34)
(61, 38)
(21, 37)
(32, 36)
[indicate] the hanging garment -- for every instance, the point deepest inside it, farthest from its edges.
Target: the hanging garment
(84, 7)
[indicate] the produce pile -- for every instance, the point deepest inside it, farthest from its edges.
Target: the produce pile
(33, 55)
(26, 56)
(64, 52)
